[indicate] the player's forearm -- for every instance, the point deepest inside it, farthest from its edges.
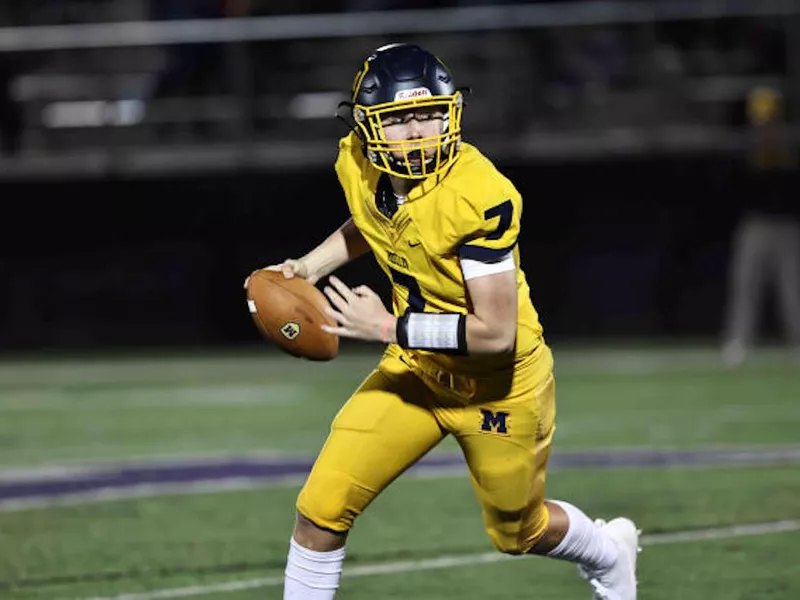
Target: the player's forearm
(339, 248)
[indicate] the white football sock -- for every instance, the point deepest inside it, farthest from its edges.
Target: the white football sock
(312, 575)
(584, 543)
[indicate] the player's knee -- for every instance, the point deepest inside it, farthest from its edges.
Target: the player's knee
(517, 532)
(309, 535)
(331, 501)
(505, 541)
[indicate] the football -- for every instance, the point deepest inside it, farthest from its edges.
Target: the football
(289, 312)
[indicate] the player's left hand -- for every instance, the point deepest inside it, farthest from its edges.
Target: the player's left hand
(359, 311)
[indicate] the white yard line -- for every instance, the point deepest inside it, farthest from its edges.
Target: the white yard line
(445, 562)
(153, 397)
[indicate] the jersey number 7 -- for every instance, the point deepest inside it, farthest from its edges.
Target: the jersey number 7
(416, 303)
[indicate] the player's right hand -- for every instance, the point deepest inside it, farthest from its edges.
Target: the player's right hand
(291, 267)
(294, 267)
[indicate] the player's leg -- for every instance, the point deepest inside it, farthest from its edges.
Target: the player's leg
(383, 429)
(789, 281)
(507, 445)
(605, 552)
(745, 288)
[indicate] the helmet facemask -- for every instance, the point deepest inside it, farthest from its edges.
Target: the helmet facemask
(443, 147)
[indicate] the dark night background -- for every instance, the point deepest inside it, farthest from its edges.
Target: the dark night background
(624, 247)
(625, 241)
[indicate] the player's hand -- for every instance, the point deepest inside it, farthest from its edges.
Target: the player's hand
(360, 313)
(291, 267)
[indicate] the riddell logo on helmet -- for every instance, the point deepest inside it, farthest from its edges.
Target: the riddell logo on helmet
(420, 92)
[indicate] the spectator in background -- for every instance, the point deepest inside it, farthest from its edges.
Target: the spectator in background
(766, 251)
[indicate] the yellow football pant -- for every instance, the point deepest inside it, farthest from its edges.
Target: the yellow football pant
(405, 407)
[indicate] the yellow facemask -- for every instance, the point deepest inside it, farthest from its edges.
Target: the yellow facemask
(380, 151)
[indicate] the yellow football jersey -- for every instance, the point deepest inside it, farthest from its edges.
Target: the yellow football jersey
(472, 211)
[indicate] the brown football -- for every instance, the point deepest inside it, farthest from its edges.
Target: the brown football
(289, 312)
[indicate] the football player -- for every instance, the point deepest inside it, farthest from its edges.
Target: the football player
(465, 350)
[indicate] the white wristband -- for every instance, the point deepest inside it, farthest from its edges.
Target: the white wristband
(433, 331)
(444, 332)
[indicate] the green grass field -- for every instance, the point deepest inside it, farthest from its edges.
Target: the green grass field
(423, 538)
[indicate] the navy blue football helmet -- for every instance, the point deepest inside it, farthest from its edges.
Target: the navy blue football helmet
(399, 78)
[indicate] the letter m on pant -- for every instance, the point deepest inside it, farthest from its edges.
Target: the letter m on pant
(494, 421)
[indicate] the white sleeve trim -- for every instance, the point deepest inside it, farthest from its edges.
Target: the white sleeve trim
(475, 268)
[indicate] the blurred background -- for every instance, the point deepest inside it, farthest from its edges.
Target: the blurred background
(155, 152)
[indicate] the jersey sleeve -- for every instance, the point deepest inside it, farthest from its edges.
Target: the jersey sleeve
(478, 212)
(348, 168)
(472, 269)
(492, 228)
(481, 225)
(345, 161)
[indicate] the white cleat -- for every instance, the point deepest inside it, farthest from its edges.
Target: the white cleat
(619, 581)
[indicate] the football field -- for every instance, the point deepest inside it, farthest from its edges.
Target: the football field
(173, 475)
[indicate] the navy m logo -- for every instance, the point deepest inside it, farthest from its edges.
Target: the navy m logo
(494, 421)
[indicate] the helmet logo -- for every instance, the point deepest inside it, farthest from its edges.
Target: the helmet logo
(417, 92)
